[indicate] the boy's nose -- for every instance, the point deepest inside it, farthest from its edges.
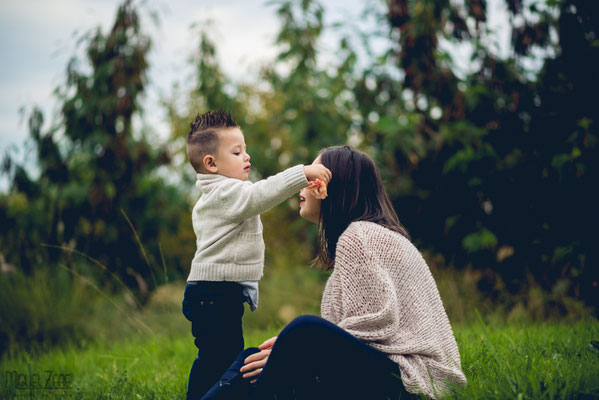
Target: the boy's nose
(247, 157)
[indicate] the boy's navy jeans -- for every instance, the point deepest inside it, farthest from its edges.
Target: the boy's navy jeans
(215, 310)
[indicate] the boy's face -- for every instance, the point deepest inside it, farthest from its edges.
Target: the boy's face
(232, 160)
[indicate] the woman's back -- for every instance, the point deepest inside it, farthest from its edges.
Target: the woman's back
(382, 292)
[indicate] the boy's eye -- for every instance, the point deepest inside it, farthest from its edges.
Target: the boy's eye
(237, 153)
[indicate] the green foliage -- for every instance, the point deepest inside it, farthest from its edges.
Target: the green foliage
(505, 180)
(485, 239)
(492, 169)
(98, 190)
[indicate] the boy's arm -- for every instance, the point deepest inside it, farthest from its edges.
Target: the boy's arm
(245, 199)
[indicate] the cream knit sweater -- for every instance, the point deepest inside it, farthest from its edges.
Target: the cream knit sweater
(382, 292)
(226, 221)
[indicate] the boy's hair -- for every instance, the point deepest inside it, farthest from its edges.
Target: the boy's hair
(202, 138)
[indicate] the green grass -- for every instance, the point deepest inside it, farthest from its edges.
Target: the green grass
(131, 354)
(539, 361)
(136, 368)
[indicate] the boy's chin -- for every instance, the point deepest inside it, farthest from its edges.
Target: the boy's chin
(241, 177)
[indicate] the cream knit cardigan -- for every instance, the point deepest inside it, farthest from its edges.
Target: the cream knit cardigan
(382, 292)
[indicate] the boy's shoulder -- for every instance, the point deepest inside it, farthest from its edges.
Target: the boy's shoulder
(210, 182)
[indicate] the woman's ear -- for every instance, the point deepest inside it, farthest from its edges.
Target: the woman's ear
(210, 164)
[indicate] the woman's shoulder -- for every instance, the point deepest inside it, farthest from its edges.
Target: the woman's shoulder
(365, 236)
(371, 230)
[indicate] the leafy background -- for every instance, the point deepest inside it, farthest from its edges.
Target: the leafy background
(492, 172)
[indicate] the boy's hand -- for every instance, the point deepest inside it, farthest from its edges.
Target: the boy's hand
(317, 171)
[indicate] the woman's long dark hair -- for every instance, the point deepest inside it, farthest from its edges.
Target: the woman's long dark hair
(355, 193)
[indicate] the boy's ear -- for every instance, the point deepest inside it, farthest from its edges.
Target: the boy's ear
(210, 163)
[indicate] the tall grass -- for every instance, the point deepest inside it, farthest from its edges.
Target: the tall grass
(462, 299)
(59, 304)
(45, 309)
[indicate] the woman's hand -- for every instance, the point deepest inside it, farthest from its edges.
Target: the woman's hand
(254, 363)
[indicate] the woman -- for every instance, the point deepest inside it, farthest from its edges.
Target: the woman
(382, 316)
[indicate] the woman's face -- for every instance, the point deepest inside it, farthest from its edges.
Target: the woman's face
(310, 205)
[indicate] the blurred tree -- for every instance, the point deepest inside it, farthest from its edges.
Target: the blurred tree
(286, 114)
(97, 177)
(493, 167)
(473, 160)
(505, 181)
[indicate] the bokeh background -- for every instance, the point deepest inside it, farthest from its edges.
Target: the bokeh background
(481, 115)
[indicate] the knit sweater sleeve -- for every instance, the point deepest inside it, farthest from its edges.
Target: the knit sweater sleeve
(244, 199)
(368, 297)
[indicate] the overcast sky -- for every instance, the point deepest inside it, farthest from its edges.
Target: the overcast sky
(37, 39)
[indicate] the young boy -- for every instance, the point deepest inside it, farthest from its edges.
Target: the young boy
(230, 250)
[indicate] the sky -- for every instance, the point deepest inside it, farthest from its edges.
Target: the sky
(38, 37)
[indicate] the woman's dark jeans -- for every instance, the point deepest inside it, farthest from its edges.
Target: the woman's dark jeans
(315, 359)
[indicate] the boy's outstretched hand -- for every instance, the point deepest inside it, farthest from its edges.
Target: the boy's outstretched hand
(317, 171)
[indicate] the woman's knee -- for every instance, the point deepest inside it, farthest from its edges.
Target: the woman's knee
(305, 327)
(305, 322)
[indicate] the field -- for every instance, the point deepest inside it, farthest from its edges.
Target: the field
(150, 359)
